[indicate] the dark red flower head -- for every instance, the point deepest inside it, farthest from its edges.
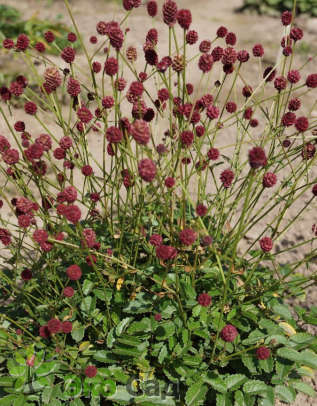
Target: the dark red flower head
(187, 138)
(204, 299)
(169, 12)
(74, 272)
(152, 8)
(8, 43)
(54, 326)
(201, 210)
(140, 131)
(311, 80)
(96, 66)
(243, 56)
(205, 46)
(156, 240)
(184, 18)
(30, 108)
(229, 333)
(84, 115)
(280, 83)
(227, 177)
(231, 38)
(288, 119)
(68, 54)
(206, 241)
(263, 353)
(91, 371)
(294, 104)
(191, 37)
(213, 154)
(166, 252)
(169, 182)
(49, 36)
(187, 236)
(72, 213)
(111, 66)
(114, 135)
(116, 38)
(212, 112)
(266, 244)
(22, 42)
(296, 33)
(302, 124)
(147, 169)
(67, 326)
(222, 32)
(158, 317)
(229, 56)
(68, 291)
(269, 179)
(293, 76)
(73, 87)
(258, 50)
(205, 62)
(286, 18)
(257, 157)
(26, 274)
(72, 37)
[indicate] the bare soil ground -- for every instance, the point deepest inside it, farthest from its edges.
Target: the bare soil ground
(208, 15)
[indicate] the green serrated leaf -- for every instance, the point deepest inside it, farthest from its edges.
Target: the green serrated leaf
(282, 310)
(162, 354)
(254, 387)
(87, 286)
(239, 399)
(216, 382)
(308, 358)
(78, 332)
(303, 387)
(267, 365)
(284, 393)
(142, 326)
(105, 356)
(195, 394)
(88, 304)
(47, 368)
(165, 330)
(302, 338)
(255, 336)
(268, 398)
(223, 399)
(233, 382)
(122, 325)
(47, 395)
(248, 362)
(20, 400)
(289, 353)
(110, 338)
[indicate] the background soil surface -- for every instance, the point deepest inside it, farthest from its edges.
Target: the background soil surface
(208, 15)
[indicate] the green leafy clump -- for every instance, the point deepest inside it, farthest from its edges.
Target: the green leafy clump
(12, 25)
(276, 6)
(114, 325)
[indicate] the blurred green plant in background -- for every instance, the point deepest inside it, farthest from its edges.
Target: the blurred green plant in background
(276, 6)
(12, 25)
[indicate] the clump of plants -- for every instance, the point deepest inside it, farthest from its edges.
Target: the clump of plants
(277, 6)
(125, 274)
